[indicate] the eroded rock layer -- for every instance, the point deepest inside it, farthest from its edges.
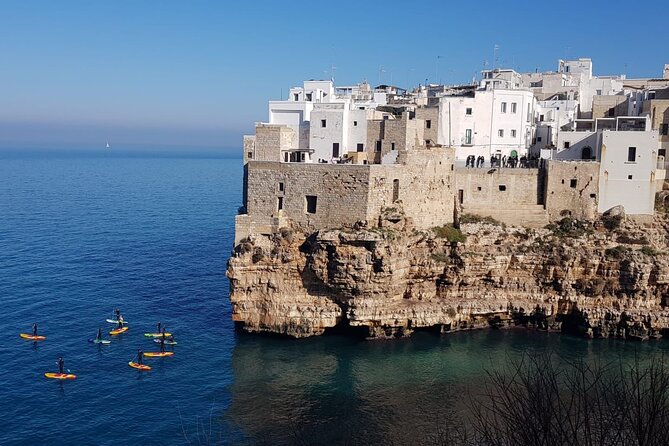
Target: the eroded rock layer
(390, 281)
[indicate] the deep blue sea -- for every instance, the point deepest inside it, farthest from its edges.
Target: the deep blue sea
(83, 234)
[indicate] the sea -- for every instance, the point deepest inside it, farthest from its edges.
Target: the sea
(84, 233)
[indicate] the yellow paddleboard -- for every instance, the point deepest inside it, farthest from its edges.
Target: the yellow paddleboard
(32, 337)
(158, 354)
(60, 375)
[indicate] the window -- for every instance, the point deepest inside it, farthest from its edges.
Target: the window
(566, 144)
(612, 112)
(468, 111)
(311, 201)
(468, 136)
(324, 123)
(599, 92)
(629, 177)
(296, 97)
(396, 190)
(392, 146)
(541, 118)
(664, 130)
(309, 97)
(513, 133)
(503, 107)
(281, 187)
(514, 106)
(360, 147)
(566, 69)
(631, 154)
(500, 133)
(428, 124)
(572, 183)
(335, 150)
(538, 138)
(279, 203)
(355, 123)
(250, 155)
(502, 187)
(378, 146)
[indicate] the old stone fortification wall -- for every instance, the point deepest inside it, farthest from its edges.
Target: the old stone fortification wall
(419, 189)
(574, 277)
(499, 188)
(341, 193)
(424, 183)
(571, 189)
(430, 114)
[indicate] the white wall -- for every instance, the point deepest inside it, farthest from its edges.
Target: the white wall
(637, 194)
(487, 116)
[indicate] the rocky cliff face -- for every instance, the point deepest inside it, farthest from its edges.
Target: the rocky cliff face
(390, 281)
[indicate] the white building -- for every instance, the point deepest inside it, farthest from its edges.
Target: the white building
(329, 121)
(630, 172)
(487, 122)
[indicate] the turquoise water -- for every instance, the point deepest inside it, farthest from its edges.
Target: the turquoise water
(80, 235)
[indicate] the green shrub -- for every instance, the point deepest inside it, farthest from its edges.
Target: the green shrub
(440, 257)
(617, 252)
(450, 233)
(650, 252)
(568, 227)
(472, 218)
(612, 222)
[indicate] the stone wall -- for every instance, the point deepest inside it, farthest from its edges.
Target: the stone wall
(601, 106)
(498, 188)
(429, 116)
(249, 148)
(572, 189)
(271, 139)
(423, 183)
(394, 134)
(340, 190)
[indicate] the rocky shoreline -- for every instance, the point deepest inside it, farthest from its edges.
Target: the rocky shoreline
(608, 278)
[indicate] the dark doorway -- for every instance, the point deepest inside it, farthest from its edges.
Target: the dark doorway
(461, 196)
(396, 190)
(586, 153)
(335, 150)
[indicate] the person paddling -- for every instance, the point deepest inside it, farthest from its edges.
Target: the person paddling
(119, 324)
(99, 336)
(140, 355)
(159, 325)
(162, 342)
(61, 365)
(35, 329)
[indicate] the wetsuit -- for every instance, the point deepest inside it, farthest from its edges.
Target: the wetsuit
(140, 354)
(120, 324)
(159, 325)
(61, 365)
(162, 344)
(99, 336)
(34, 329)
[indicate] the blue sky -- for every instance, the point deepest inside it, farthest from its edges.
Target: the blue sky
(200, 73)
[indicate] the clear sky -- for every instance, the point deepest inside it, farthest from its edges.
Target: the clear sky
(199, 73)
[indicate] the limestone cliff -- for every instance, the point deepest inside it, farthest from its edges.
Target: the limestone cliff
(389, 281)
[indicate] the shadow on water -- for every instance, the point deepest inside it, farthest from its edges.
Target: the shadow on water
(340, 390)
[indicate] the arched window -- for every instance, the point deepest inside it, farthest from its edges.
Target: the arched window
(586, 153)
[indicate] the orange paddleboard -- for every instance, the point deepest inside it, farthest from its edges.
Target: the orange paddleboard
(32, 337)
(118, 331)
(141, 367)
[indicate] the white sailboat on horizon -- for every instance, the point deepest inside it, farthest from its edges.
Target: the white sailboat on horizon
(108, 146)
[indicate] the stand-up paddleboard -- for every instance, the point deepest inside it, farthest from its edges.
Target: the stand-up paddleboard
(167, 342)
(141, 367)
(157, 335)
(60, 375)
(158, 354)
(100, 341)
(32, 337)
(115, 321)
(118, 331)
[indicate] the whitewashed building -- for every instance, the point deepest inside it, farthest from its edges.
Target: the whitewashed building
(487, 121)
